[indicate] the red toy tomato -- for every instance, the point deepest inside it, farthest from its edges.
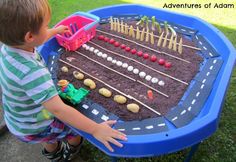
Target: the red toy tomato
(101, 37)
(145, 55)
(111, 41)
(127, 49)
(122, 46)
(167, 64)
(161, 62)
(133, 51)
(106, 39)
(153, 58)
(116, 44)
(140, 53)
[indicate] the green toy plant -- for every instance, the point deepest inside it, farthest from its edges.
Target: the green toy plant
(153, 22)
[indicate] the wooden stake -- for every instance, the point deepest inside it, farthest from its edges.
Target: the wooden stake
(137, 33)
(180, 47)
(126, 29)
(114, 23)
(175, 43)
(160, 39)
(171, 41)
(142, 35)
(111, 23)
(147, 35)
(165, 40)
(158, 27)
(131, 31)
(118, 25)
(166, 27)
(122, 27)
(152, 38)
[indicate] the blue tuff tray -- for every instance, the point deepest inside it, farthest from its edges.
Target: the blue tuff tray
(194, 127)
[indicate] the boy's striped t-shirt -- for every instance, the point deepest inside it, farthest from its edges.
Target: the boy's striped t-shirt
(26, 83)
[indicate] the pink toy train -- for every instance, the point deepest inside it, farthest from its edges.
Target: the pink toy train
(82, 28)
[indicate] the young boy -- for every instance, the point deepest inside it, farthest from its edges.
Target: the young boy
(33, 111)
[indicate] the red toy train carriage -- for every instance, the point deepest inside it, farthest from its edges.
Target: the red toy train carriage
(82, 28)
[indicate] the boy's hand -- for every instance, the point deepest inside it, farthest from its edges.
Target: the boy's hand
(105, 134)
(62, 29)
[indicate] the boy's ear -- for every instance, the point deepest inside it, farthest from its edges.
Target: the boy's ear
(29, 37)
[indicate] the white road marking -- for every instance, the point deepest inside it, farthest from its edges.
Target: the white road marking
(189, 108)
(183, 112)
(198, 93)
(104, 117)
(121, 130)
(161, 125)
(193, 101)
(149, 127)
(136, 128)
(85, 106)
(174, 118)
(95, 112)
(202, 86)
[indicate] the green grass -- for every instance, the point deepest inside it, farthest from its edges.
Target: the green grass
(221, 146)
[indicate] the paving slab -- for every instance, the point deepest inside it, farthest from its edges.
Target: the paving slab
(3, 127)
(13, 150)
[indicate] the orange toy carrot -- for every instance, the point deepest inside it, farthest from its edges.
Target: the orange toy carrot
(150, 94)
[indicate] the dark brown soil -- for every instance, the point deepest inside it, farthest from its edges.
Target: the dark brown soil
(181, 70)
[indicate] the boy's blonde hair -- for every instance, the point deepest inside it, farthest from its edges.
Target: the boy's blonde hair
(17, 17)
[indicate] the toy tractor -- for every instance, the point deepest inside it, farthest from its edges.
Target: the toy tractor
(68, 92)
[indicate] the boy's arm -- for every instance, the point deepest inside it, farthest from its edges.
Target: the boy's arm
(102, 132)
(58, 30)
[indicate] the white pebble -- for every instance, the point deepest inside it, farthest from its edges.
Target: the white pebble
(99, 54)
(109, 58)
(96, 51)
(118, 63)
(84, 45)
(135, 71)
(142, 74)
(148, 77)
(130, 68)
(87, 48)
(114, 61)
(161, 83)
(91, 49)
(154, 80)
(104, 56)
(125, 65)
